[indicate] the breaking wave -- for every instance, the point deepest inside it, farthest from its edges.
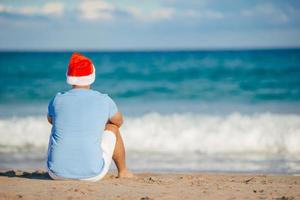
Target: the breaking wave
(264, 133)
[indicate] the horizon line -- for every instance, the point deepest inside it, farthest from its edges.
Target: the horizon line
(152, 49)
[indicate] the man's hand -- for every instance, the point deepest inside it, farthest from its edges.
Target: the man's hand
(49, 119)
(117, 119)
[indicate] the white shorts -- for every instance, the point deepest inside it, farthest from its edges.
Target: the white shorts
(108, 147)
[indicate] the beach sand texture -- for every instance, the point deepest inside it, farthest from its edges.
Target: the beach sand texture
(16, 184)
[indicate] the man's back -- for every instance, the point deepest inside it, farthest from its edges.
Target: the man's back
(79, 117)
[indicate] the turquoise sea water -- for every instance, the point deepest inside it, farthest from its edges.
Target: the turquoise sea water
(240, 76)
(227, 110)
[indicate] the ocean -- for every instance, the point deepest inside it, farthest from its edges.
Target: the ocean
(185, 111)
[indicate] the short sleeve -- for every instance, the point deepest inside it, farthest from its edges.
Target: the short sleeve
(51, 108)
(112, 107)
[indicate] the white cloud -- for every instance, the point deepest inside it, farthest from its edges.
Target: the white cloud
(54, 8)
(2, 8)
(96, 10)
(49, 9)
(153, 15)
(267, 12)
(103, 10)
(205, 14)
(161, 14)
(164, 13)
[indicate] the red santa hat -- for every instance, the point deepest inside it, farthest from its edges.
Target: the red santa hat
(81, 70)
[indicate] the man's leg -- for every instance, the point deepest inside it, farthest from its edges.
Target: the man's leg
(119, 152)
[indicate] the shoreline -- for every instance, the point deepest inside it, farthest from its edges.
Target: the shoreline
(18, 184)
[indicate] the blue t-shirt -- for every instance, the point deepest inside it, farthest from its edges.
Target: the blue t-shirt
(78, 117)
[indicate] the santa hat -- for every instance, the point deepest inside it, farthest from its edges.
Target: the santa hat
(81, 70)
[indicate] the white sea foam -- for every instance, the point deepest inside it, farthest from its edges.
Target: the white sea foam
(264, 133)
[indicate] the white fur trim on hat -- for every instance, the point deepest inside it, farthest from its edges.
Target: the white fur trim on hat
(82, 80)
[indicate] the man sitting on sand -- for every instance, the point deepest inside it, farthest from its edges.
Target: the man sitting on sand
(85, 134)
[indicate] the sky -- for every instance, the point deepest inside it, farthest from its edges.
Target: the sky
(148, 24)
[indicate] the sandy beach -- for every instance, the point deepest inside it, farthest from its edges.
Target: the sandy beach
(17, 184)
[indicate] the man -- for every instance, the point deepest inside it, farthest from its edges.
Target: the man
(85, 134)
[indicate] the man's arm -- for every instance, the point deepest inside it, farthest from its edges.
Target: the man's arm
(49, 119)
(117, 119)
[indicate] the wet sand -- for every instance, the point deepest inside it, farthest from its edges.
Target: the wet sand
(16, 184)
